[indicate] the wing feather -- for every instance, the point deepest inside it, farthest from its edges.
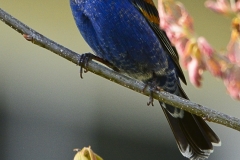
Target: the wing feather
(150, 12)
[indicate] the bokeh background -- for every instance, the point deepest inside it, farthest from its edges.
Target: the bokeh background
(46, 110)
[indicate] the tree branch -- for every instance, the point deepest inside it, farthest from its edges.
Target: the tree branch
(138, 86)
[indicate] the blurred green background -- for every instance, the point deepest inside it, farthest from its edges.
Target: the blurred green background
(46, 110)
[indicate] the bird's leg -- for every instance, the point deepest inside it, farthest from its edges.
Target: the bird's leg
(86, 57)
(152, 83)
(153, 87)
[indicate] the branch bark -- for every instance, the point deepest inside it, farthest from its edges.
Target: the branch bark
(138, 86)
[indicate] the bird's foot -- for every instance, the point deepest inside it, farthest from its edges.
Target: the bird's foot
(150, 101)
(83, 62)
(153, 87)
(86, 57)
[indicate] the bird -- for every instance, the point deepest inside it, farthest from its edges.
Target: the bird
(126, 35)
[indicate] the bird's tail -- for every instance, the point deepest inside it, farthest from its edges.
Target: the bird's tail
(195, 139)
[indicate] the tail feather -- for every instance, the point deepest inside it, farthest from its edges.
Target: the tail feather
(210, 133)
(193, 136)
(195, 139)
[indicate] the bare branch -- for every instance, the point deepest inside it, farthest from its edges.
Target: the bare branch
(138, 86)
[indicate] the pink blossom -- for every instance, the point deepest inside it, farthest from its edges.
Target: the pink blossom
(210, 59)
(195, 72)
(232, 82)
(180, 45)
(204, 47)
(214, 67)
(196, 54)
(178, 25)
(237, 5)
(223, 6)
(233, 48)
(220, 6)
(234, 52)
(175, 20)
(192, 59)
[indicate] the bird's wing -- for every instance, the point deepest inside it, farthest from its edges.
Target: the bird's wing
(150, 12)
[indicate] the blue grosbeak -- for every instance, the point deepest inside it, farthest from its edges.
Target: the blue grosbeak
(126, 34)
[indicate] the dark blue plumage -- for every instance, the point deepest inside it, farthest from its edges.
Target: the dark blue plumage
(122, 36)
(126, 34)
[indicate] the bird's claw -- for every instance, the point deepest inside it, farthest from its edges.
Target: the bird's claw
(153, 87)
(83, 62)
(150, 102)
(86, 57)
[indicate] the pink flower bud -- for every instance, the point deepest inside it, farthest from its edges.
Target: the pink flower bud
(195, 72)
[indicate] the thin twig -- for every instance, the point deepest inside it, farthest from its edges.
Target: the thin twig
(138, 86)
